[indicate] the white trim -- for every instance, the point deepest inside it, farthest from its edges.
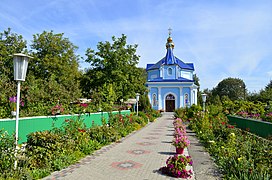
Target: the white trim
(180, 97)
(161, 72)
(159, 98)
(40, 117)
(164, 98)
(169, 83)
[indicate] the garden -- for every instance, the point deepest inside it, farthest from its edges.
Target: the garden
(52, 150)
(238, 153)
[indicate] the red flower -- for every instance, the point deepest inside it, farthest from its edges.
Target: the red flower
(230, 126)
(84, 105)
(81, 130)
(223, 123)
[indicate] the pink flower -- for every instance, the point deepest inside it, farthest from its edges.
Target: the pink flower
(13, 99)
(84, 105)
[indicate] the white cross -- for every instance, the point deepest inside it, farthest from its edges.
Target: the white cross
(170, 31)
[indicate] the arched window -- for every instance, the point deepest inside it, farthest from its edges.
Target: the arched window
(170, 71)
(154, 100)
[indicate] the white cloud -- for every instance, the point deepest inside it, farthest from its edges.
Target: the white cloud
(223, 39)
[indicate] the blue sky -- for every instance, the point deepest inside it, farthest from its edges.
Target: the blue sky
(231, 38)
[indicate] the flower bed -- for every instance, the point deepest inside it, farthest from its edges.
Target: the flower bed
(53, 150)
(239, 154)
(177, 165)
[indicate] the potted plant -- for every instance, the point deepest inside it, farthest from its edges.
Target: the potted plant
(176, 166)
(180, 142)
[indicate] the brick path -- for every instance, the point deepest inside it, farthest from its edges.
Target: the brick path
(138, 156)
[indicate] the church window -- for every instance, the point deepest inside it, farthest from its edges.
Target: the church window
(170, 71)
(154, 100)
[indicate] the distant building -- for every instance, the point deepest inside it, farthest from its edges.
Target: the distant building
(170, 82)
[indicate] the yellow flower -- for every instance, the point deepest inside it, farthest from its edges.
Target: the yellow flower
(232, 134)
(240, 158)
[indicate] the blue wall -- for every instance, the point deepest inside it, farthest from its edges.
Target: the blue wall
(153, 72)
(166, 75)
(170, 90)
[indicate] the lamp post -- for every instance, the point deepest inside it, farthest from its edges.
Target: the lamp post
(137, 101)
(204, 97)
(20, 62)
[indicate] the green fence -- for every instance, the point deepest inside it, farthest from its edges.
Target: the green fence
(258, 127)
(41, 123)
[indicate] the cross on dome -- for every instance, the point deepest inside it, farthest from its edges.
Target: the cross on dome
(169, 31)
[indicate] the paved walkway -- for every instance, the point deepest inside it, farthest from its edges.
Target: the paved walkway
(138, 157)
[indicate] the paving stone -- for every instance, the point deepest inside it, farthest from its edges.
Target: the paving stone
(136, 157)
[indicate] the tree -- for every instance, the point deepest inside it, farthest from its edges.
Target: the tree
(196, 82)
(269, 85)
(10, 43)
(234, 88)
(114, 63)
(55, 65)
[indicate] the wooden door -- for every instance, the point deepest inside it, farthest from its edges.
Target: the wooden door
(170, 105)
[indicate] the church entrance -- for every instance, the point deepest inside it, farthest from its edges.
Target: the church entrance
(170, 103)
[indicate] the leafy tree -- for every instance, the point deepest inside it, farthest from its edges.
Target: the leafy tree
(10, 43)
(55, 64)
(114, 63)
(269, 85)
(265, 95)
(234, 88)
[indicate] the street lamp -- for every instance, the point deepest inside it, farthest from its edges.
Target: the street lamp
(204, 97)
(20, 62)
(137, 100)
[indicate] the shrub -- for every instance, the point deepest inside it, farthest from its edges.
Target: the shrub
(239, 154)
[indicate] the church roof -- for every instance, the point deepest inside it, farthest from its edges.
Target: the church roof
(165, 61)
(180, 79)
(170, 59)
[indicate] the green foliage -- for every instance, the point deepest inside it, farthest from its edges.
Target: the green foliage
(144, 103)
(234, 88)
(114, 66)
(53, 150)
(10, 43)
(239, 154)
(7, 152)
(187, 113)
(8, 158)
(52, 73)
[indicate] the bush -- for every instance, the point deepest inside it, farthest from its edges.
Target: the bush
(53, 150)
(239, 154)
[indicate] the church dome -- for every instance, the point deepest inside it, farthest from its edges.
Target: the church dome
(170, 43)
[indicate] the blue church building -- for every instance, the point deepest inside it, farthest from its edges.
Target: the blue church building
(170, 82)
